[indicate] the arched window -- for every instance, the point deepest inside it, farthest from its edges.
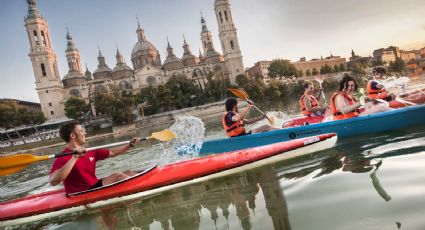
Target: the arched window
(231, 45)
(43, 38)
(205, 44)
(100, 89)
(75, 93)
(151, 80)
(43, 69)
(225, 15)
(221, 17)
(124, 85)
(36, 38)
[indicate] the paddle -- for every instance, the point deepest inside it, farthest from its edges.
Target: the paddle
(15, 163)
(242, 94)
(319, 79)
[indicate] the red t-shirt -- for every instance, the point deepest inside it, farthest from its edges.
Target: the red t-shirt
(83, 174)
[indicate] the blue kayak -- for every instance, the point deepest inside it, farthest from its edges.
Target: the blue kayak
(390, 120)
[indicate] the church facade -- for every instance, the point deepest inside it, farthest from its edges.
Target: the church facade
(147, 68)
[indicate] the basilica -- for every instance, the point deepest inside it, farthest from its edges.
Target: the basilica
(147, 67)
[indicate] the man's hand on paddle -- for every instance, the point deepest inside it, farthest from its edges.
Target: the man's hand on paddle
(134, 141)
(81, 151)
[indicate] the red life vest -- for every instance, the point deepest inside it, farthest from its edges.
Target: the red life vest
(376, 93)
(235, 129)
(337, 115)
(313, 102)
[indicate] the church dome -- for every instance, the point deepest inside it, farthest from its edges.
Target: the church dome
(143, 47)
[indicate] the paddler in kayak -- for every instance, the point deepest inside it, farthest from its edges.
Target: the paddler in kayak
(309, 104)
(78, 171)
(375, 89)
(344, 105)
(234, 122)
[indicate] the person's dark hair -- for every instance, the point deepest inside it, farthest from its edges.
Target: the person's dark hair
(379, 70)
(66, 130)
(230, 103)
(344, 82)
(307, 83)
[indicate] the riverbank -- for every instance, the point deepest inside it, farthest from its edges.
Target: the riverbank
(150, 124)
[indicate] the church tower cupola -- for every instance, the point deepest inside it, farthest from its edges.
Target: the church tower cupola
(44, 63)
(172, 61)
(144, 52)
(188, 58)
(103, 71)
(229, 39)
(206, 36)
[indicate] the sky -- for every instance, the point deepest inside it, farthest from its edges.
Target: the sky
(267, 29)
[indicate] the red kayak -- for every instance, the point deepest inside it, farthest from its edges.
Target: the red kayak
(157, 179)
(305, 120)
(411, 98)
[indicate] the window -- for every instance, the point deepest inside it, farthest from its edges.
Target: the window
(43, 38)
(35, 37)
(231, 45)
(221, 17)
(47, 91)
(43, 69)
(52, 113)
(205, 44)
(225, 15)
(50, 103)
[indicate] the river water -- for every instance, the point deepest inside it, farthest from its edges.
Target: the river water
(373, 181)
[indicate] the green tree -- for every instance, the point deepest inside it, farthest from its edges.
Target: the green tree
(342, 67)
(76, 108)
(308, 73)
(315, 71)
(103, 102)
(397, 66)
(242, 80)
(336, 69)
(281, 69)
(9, 116)
(325, 69)
(31, 118)
(300, 73)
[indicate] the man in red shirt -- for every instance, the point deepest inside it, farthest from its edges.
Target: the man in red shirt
(78, 171)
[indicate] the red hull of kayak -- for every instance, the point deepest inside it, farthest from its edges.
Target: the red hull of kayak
(415, 97)
(158, 177)
(299, 121)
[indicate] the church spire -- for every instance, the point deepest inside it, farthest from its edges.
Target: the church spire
(120, 58)
(140, 31)
(204, 25)
(70, 42)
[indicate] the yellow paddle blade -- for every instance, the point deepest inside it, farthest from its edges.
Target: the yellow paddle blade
(240, 93)
(164, 135)
(271, 120)
(15, 169)
(15, 163)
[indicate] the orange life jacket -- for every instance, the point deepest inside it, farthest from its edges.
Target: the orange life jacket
(376, 93)
(337, 115)
(313, 102)
(235, 129)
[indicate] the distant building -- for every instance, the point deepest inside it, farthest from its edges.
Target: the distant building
(387, 55)
(33, 106)
(261, 67)
(147, 70)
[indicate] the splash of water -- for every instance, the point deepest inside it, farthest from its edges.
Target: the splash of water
(190, 133)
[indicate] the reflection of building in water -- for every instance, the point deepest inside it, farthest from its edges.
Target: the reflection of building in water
(185, 208)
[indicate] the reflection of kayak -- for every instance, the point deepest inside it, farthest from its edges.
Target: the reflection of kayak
(389, 120)
(414, 97)
(305, 120)
(157, 179)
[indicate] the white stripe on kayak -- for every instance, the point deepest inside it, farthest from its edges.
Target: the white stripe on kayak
(328, 143)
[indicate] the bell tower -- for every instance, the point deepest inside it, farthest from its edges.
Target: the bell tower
(44, 63)
(229, 39)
